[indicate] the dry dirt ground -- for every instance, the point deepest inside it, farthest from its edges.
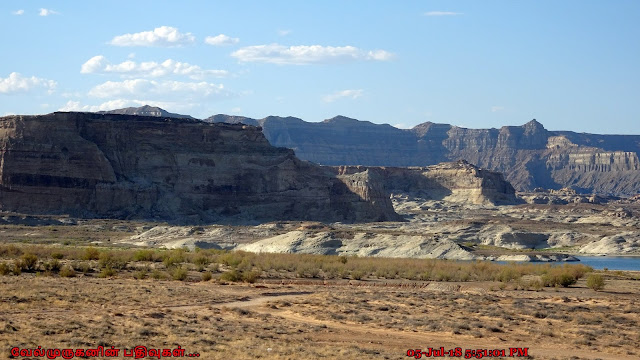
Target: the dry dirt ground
(314, 320)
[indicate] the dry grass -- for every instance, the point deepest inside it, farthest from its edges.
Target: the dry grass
(182, 264)
(316, 321)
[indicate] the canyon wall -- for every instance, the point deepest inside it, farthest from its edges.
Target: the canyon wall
(180, 170)
(529, 155)
(458, 182)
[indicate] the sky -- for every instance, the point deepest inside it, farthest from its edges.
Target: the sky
(571, 64)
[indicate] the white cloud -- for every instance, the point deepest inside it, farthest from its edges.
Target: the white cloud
(18, 12)
(303, 54)
(17, 83)
(109, 105)
(441, 13)
(497, 108)
(164, 36)
(220, 40)
(284, 32)
(402, 126)
(100, 65)
(47, 12)
(351, 94)
(136, 88)
(236, 110)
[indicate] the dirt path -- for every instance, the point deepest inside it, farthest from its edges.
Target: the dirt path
(245, 302)
(372, 337)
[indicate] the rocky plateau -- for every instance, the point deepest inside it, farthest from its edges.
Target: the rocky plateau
(181, 182)
(529, 156)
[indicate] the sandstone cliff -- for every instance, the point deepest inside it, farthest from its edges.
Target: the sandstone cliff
(184, 170)
(458, 182)
(529, 155)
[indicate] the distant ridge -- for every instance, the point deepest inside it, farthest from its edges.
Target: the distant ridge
(529, 155)
(146, 110)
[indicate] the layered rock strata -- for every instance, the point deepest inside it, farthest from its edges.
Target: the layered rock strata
(184, 170)
(458, 182)
(529, 155)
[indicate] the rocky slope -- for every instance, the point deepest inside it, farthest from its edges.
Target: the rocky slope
(529, 155)
(122, 166)
(146, 110)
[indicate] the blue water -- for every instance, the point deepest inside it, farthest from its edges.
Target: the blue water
(610, 262)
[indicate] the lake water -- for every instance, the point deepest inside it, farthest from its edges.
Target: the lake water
(611, 262)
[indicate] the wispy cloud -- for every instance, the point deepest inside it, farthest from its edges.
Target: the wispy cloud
(164, 36)
(47, 12)
(349, 94)
(284, 32)
(442, 13)
(497, 108)
(307, 54)
(16, 83)
(221, 40)
(18, 12)
(100, 65)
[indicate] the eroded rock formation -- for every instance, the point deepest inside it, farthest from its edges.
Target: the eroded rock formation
(458, 182)
(529, 155)
(185, 170)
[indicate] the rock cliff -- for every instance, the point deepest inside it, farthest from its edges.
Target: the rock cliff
(183, 170)
(529, 155)
(458, 182)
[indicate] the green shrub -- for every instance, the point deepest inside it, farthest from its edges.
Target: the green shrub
(232, 276)
(57, 255)
(91, 253)
(536, 284)
(10, 250)
(158, 275)
(4, 269)
(565, 280)
(67, 271)
(52, 266)
(109, 260)
(559, 277)
(201, 260)
(232, 259)
(179, 273)
(28, 262)
(250, 277)
(107, 272)
(143, 255)
(173, 258)
(595, 282)
(358, 274)
(141, 274)
(508, 273)
(82, 267)
(206, 276)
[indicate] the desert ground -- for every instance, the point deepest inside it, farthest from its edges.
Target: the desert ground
(318, 319)
(79, 284)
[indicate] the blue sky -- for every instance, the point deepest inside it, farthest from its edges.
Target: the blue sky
(573, 65)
